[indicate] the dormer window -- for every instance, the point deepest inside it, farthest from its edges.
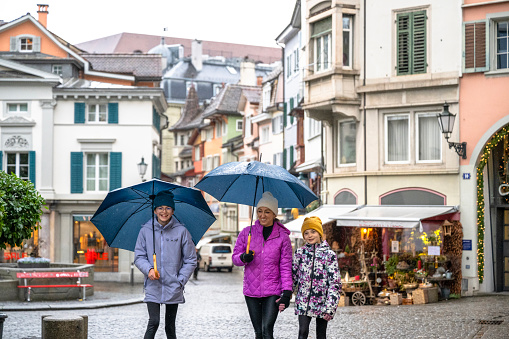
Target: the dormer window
(25, 44)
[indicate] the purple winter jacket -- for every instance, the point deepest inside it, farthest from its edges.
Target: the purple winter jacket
(270, 272)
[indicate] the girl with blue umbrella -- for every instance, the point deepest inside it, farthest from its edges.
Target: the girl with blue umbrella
(165, 235)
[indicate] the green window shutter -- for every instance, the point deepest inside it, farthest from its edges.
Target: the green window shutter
(419, 50)
(156, 167)
(291, 157)
(113, 113)
(79, 112)
(37, 44)
(475, 48)
(1, 160)
(284, 158)
(284, 115)
(31, 166)
(156, 119)
(404, 43)
(115, 170)
(291, 108)
(76, 172)
(411, 45)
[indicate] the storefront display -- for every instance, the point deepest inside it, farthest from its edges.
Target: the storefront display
(90, 246)
(29, 247)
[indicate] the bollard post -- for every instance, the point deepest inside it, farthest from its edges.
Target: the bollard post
(132, 273)
(69, 327)
(2, 319)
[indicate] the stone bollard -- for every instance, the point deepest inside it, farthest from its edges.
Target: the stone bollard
(69, 327)
(2, 319)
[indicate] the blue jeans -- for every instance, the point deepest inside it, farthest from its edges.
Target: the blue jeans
(154, 313)
(263, 313)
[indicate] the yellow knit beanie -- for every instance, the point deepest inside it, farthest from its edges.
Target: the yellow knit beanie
(312, 223)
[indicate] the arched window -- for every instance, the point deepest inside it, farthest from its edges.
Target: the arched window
(345, 197)
(412, 196)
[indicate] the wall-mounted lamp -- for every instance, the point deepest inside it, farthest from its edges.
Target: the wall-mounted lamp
(142, 168)
(446, 124)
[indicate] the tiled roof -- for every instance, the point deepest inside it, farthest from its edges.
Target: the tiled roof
(140, 65)
(227, 100)
(131, 42)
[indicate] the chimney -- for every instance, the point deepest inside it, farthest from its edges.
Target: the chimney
(43, 15)
(196, 55)
(247, 73)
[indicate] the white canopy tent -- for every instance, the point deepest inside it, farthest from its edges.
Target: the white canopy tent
(326, 213)
(392, 216)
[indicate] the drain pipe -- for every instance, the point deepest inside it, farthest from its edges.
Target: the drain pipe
(364, 112)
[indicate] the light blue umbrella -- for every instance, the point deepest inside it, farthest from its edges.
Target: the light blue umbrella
(122, 213)
(245, 182)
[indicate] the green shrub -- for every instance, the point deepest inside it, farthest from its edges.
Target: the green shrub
(20, 209)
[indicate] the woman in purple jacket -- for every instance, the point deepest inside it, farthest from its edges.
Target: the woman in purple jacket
(267, 267)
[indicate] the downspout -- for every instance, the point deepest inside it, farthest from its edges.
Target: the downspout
(284, 95)
(364, 112)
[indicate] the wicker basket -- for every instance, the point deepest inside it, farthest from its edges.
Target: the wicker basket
(433, 295)
(420, 296)
(344, 301)
(396, 298)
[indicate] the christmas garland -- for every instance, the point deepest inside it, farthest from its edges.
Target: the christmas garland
(500, 135)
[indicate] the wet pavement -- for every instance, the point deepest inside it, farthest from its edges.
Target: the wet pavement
(215, 308)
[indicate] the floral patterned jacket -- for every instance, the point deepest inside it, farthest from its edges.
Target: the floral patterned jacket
(316, 280)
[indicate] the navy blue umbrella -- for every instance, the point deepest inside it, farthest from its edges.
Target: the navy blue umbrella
(245, 182)
(122, 213)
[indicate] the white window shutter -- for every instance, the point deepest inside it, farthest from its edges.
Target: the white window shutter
(14, 44)
(37, 44)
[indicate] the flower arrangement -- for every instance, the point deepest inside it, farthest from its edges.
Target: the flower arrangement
(434, 238)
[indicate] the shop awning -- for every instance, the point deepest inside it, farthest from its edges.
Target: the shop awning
(395, 216)
(309, 165)
(326, 213)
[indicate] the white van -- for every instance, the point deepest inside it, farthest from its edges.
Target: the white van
(216, 255)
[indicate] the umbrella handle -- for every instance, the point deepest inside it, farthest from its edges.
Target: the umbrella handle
(155, 267)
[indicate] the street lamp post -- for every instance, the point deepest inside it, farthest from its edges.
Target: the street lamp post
(446, 124)
(142, 169)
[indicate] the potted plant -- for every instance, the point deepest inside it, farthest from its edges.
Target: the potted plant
(33, 262)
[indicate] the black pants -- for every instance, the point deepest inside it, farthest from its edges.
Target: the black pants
(321, 327)
(263, 313)
(154, 313)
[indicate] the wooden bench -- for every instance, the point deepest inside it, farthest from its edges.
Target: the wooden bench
(51, 275)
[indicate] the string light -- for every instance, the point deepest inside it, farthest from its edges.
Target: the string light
(500, 135)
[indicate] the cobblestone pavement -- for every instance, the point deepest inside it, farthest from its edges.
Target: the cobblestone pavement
(215, 308)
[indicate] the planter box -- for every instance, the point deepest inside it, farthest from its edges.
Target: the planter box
(33, 265)
(425, 295)
(396, 298)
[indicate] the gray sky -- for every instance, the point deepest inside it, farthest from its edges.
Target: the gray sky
(256, 22)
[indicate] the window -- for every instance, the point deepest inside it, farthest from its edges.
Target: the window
(56, 69)
(209, 134)
(26, 44)
(176, 165)
(217, 162)
(397, 143)
(429, 141)
(411, 43)
(97, 113)
(17, 163)
(321, 35)
(224, 127)
(266, 97)
(347, 41)
(239, 125)
(97, 167)
(243, 211)
(197, 153)
(21, 108)
(264, 134)
(247, 130)
(218, 129)
(502, 32)
(277, 124)
(288, 66)
(315, 128)
(345, 197)
(278, 159)
(216, 88)
(474, 55)
(347, 142)
(296, 60)
(183, 140)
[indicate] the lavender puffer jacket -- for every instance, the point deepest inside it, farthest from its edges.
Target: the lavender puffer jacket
(270, 272)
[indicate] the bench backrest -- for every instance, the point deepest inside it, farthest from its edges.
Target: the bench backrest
(24, 275)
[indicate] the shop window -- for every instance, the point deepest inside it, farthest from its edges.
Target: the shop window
(90, 247)
(29, 248)
(412, 197)
(345, 198)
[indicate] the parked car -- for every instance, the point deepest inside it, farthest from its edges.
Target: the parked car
(216, 255)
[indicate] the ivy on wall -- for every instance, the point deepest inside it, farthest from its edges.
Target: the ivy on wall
(499, 136)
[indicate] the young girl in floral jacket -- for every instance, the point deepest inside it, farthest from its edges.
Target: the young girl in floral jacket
(316, 280)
